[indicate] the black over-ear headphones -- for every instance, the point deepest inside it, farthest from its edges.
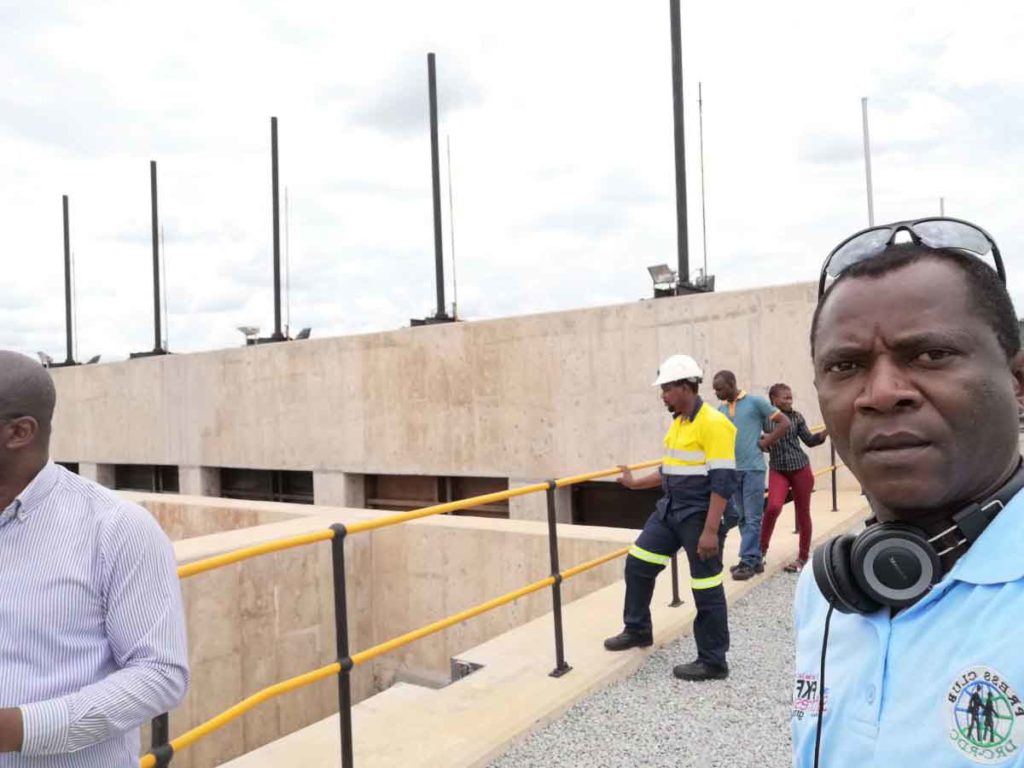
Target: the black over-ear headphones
(895, 564)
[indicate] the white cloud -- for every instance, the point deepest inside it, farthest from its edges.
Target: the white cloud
(561, 126)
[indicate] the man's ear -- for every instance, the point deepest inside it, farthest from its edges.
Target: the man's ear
(23, 433)
(1017, 369)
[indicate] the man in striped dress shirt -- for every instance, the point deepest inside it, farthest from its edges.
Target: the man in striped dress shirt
(92, 634)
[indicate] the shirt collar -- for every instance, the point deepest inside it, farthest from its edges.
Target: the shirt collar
(995, 557)
(33, 494)
(732, 403)
(696, 408)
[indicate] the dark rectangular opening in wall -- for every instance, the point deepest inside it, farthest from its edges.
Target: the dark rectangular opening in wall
(292, 486)
(155, 478)
(70, 466)
(401, 493)
(612, 505)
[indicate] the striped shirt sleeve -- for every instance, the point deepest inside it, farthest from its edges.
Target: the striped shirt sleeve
(146, 633)
(810, 439)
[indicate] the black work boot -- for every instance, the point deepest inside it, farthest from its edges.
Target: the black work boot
(759, 568)
(626, 640)
(698, 671)
(743, 573)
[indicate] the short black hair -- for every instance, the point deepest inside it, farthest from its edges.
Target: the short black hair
(990, 297)
(775, 389)
(727, 375)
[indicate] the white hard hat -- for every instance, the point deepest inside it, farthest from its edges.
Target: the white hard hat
(677, 368)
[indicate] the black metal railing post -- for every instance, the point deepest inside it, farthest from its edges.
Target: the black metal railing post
(160, 737)
(561, 667)
(341, 630)
(160, 730)
(832, 462)
(676, 600)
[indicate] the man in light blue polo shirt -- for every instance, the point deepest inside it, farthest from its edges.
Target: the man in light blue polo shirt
(919, 372)
(750, 414)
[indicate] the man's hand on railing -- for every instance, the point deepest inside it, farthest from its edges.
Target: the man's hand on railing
(634, 483)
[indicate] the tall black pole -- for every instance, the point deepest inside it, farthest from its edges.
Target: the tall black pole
(278, 336)
(67, 283)
(158, 345)
(435, 167)
(677, 111)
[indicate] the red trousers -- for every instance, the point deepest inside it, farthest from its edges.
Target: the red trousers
(779, 483)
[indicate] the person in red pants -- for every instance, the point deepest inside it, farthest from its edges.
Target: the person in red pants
(790, 469)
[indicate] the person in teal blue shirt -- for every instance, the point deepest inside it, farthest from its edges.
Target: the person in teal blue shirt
(917, 660)
(750, 414)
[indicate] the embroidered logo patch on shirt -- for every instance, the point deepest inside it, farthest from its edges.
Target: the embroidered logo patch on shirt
(986, 716)
(806, 692)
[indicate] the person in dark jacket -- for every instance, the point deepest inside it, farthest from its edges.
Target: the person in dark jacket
(789, 470)
(698, 476)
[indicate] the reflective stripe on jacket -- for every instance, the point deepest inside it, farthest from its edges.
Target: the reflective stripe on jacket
(699, 459)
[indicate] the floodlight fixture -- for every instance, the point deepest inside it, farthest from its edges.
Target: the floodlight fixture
(93, 360)
(665, 280)
(251, 333)
(303, 334)
(661, 275)
(45, 359)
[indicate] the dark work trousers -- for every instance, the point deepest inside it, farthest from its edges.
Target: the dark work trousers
(660, 539)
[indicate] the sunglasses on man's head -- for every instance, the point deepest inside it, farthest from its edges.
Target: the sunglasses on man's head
(934, 232)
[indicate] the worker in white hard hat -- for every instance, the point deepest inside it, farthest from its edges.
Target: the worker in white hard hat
(698, 475)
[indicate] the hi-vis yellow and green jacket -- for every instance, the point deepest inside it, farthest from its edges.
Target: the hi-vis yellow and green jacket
(700, 459)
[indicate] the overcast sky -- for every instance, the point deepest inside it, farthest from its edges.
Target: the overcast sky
(560, 121)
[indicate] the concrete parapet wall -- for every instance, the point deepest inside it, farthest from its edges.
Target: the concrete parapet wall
(534, 396)
(261, 621)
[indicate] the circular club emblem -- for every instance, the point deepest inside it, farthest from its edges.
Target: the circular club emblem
(986, 716)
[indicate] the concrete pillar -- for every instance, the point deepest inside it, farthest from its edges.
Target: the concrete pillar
(534, 506)
(339, 489)
(199, 481)
(98, 473)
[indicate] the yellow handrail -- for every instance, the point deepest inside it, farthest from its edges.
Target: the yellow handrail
(389, 645)
(826, 470)
(586, 476)
(576, 570)
(204, 729)
(219, 721)
(371, 653)
(438, 509)
(219, 561)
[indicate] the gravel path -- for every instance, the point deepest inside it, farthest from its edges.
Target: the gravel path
(652, 719)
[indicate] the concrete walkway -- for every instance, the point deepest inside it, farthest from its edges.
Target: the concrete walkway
(474, 721)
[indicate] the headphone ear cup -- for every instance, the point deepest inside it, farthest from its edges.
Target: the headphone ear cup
(834, 576)
(894, 564)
